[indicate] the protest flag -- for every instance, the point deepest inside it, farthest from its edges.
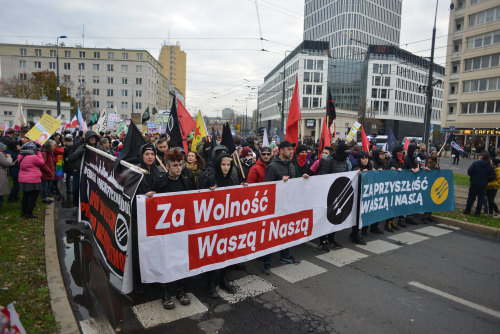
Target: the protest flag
(326, 136)
(227, 138)
(81, 121)
(175, 132)
(364, 140)
(292, 123)
(94, 119)
(186, 123)
(19, 121)
(331, 112)
(391, 140)
(265, 140)
(450, 138)
(199, 132)
(406, 143)
(131, 150)
(145, 116)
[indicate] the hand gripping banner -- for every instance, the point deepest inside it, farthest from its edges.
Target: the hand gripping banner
(186, 233)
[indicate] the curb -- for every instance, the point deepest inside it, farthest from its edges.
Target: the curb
(58, 296)
(483, 229)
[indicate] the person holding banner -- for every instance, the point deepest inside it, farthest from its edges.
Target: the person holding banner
(30, 162)
(397, 162)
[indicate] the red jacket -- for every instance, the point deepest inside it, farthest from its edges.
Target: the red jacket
(49, 167)
(257, 172)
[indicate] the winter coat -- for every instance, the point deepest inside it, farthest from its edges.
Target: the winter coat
(218, 179)
(76, 153)
(410, 159)
(29, 167)
(4, 179)
(67, 167)
(14, 169)
(49, 168)
(257, 173)
(331, 165)
(495, 184)
(480, 172)
(278, 168)
(377, 163)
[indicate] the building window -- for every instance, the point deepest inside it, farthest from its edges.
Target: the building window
(374, 92)
(38, 52)
(7, 113)
(124, 81)
(138, 68)
(305, 102)
(22, 63)
(110, 104)
(375, 68)
(319, 65)
(67, 78)
(481, 85)
(124, 92)
(486, 39)
(110, 68)
(138, 105)
(315, 102)
(97, 55)
(319, 90)
(124, 105)
(23, 52)
(139, 56)
(23, 76)
(124, 68)
(81, 54)
(38, 64)
(125, 56)
(111, 55)
(95, 91)
(110, 80)
(138, 81)
(52, 65)
(95, 79)
(81, 78)
(95, 67)
(109, 92)
(317, 77)
(81, 66)
(310, 64)
(484, 17)
(95, 104)
(138, 93)
(67, 66)
(53, 53)
(67, 54)
(307, 76)
(387, 81)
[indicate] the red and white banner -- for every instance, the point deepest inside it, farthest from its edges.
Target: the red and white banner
(187, 233)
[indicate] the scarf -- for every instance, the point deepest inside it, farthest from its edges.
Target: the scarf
(399, 157)
(192, 167)
(301, 159)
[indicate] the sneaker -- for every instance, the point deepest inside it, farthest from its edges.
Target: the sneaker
(228, 288)
(289, 260)
(182, 297)
(167, 302)
(266, 268)
(357, 240)
(324, 247)
(496, 215)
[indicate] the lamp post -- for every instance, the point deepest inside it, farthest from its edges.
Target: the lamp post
(283, 94)
(58, 89)
(428, 104)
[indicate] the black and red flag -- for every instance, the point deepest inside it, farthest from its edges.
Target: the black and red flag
(331, 113)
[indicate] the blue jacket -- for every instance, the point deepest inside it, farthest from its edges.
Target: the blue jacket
(480, 172)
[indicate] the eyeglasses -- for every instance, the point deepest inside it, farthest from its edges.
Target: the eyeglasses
(265, 154)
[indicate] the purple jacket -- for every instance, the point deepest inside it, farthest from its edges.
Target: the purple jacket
(29, 168)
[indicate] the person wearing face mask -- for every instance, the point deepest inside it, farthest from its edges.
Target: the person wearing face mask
(302, 165)
(338, 163)
(246, 157)
(326, 154)
(258, 171)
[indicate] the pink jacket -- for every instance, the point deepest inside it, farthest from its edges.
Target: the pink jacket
(29, 168)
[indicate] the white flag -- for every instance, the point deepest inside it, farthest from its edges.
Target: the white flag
(265, 140)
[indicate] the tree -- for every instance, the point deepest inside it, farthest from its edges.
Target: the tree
(367, 118)
(86, 102)
(36, 85)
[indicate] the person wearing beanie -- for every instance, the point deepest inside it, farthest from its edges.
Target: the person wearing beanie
(246, 161)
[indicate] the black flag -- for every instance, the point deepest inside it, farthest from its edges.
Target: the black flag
(175, 130)
(131, 150)
(146, 116)
(331, 113)
(227, 138)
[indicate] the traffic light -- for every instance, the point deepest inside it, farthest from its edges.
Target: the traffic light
(260, 131)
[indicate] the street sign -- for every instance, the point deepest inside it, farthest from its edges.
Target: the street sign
(452, 128)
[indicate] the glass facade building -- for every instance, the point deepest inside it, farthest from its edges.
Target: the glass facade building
(350, 26)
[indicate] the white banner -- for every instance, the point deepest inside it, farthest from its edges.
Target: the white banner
(186, 233)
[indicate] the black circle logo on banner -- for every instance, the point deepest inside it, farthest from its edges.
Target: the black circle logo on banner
(339, 201)
(121, 232)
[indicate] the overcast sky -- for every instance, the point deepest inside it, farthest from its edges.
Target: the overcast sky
(221, 37)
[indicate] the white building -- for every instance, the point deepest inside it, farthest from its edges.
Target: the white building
(350, 26)
(395, 90)
(32, 109)
(122, 79)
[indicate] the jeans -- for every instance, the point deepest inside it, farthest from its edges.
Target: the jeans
(76, 188)
(46, 187)
(285, 253)
(14, 191)
(475, 191)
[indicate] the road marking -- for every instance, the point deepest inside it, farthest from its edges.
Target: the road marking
(341, 257)
(378, 246)
(449, 226)
(97, 326)
(153, 314)
(407, 238)
(432, 231)
(298, 272)
(456, 299)
(248, 286)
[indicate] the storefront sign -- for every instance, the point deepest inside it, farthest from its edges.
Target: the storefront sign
(473, 132)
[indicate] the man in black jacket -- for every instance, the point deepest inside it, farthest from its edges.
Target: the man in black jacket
(480, 172)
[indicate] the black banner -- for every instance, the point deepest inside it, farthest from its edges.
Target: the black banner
(106, 198)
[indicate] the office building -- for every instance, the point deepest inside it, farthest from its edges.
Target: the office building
(173, 62)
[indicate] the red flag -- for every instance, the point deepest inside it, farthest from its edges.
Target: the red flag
(292, 123)
(326, 136)
(186, 123)
(334, 129)
(364, 140)
(407, 143)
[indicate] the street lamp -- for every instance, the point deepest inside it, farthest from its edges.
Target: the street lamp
(58, 89)
(283, 94)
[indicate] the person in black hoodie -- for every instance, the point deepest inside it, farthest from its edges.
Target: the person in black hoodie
(397, 162)
(363, 164)
(221, 178)
(480, 172)
(13, 148)
(412, 163)
(302, 166)
(379, 163)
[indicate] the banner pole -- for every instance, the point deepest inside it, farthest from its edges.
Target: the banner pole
(128, 164)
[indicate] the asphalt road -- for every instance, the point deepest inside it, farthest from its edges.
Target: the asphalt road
(461, 168)
(423, 279)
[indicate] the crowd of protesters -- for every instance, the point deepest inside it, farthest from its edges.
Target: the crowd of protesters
(33, 169)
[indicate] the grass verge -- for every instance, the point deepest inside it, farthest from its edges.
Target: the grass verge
(481, 220)
(22, 267)
(461, 180)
